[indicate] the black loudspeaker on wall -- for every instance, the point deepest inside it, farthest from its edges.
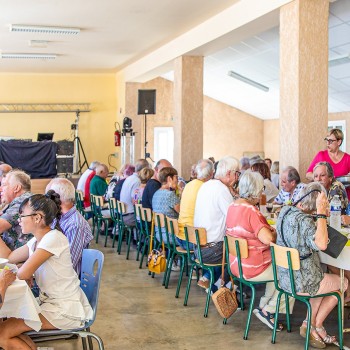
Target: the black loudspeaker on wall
(147, 102)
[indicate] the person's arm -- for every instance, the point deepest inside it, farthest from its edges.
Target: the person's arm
(267, 236)
(27, 270)
(6, 278)
(4, 225)
(321, 235)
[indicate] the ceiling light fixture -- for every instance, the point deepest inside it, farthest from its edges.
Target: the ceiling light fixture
(38, 43)
(43, 29)
(339, 60)
(42, 56)
(248, 81)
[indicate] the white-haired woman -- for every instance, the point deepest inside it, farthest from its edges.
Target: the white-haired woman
(297, 229)
(244, 220)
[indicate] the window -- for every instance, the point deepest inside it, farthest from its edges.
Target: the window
(339, 124)
(164, 143)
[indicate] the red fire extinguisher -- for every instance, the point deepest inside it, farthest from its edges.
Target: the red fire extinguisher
(117, 135)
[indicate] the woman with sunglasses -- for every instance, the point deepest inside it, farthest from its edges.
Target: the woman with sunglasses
(339, 160)
(297, 229)
(46, 256)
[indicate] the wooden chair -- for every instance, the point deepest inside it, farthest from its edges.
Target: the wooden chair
(79, 200)
(238, 247)
(114, 217)
(198, 236)
(288, 258)
(173, 230)
(146, 222)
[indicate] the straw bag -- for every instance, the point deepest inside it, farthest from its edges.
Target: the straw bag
(156, 258)
(224, 299)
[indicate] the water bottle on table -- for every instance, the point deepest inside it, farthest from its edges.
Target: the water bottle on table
(335, 213)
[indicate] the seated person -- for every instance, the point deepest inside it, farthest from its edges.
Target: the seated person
(145, 174)
(73, 224)
(291, 186)
(15, 189)
(297, 229)
(129, 170)
(6, 278)
(165, 200)
(63, 303)
(98, 184)
(244, 220)
(270, 190)
(83, 178)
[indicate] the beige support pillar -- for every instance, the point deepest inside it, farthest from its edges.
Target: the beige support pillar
(303, 81)
(188, 113)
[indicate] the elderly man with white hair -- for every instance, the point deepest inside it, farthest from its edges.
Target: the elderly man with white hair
(213, 199)
(15, 188)
(83, 178)
(72, 223)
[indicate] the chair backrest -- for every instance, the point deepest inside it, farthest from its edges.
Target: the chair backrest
(146, 214)
(242, 243)
(173, 226)
(138, 211)
(281, 257)
(121, 207)
(159, 219)
(202, 235)
(99, 202)
(113, 208)
(90, 278)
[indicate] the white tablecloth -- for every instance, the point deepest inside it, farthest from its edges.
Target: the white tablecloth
(20, 303)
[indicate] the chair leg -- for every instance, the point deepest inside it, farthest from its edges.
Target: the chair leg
(273, 340)
(106, 231)
(183, 262)
(309, 312)
(140, 236)
(130, 232)
(168, 270)
(114, 233)
(250, 311)
(340, 322)
(208, 294)
(120, 239)
(188, 285)
(241, 299)
(98, 229)
(145, 245)
(289, 329)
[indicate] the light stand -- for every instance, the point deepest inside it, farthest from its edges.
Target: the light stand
(77, 165)
(147, 154)
(128, 142)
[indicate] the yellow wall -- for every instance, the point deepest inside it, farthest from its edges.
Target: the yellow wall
(95, 128)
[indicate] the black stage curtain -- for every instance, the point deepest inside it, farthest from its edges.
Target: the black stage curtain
(38, 159)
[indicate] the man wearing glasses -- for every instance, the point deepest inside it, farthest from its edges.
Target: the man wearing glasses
(339, 160)
(15, 187)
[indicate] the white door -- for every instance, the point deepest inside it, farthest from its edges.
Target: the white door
(164, 143)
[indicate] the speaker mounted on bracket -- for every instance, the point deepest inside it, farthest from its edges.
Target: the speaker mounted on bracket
(147, 102)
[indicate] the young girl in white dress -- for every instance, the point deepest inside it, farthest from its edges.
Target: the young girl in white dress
(46, 256)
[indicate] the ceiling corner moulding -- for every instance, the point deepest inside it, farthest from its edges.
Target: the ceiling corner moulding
(28, 56)
(248, 81)
(339, 60)
(43, 29)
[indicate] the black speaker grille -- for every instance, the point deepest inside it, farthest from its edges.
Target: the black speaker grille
(147, 102)
(65, 148)
(64, 165)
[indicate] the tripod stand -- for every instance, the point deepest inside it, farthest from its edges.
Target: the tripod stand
(78, 146)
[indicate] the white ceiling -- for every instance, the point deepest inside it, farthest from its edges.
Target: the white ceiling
(118, 32)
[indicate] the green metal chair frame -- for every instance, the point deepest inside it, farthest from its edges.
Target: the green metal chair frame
(114, 217)
(97, 203)
(145, 222)
(121, 207)
(140, 228)
(288, 258)
(79, 201)
(173, 230)
(238, 247)
(198, 236)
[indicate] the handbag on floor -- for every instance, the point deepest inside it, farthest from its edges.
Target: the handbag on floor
(225, 299)
(156, 257)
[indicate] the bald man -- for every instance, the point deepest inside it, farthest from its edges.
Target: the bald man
(98, 184)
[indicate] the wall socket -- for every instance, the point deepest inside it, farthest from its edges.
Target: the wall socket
(115, 155)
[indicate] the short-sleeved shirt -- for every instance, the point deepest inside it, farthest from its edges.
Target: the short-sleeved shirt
(188, 203)
(299, 230)
(341, 168)
(151, 188)
(289, 198)
(14, 237)
(98, 186)
(129, 186)
(61, 298)
(164, 202)
(245, 221)
(137, 196)
(337, 188)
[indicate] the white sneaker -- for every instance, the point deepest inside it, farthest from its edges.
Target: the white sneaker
(175, 267)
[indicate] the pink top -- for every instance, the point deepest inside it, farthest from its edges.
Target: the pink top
(341, 168)
(245, 221)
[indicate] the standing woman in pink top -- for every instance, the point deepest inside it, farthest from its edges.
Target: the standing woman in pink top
(339, 160)
(244, 220)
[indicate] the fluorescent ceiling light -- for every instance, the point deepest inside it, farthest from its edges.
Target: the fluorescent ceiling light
(248, 81)
(43, 29)
(339, 60)
(42, 56)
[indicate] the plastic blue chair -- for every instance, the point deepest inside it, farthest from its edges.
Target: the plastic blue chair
(90, 284)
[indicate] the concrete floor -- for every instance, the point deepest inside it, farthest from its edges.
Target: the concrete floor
(136, 312)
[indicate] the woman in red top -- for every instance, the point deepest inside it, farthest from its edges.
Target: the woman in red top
(244, 220)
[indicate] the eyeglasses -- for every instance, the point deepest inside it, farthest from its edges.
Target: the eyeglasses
(329, 140)
(20, 217)
(238, 173)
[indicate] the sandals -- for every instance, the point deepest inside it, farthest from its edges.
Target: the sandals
(303, 328)
(327, 339)
(316, 342)
(267, 319)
